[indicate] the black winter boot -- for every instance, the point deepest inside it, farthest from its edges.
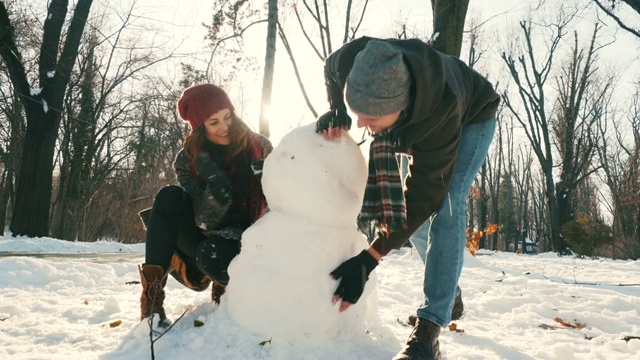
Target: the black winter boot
(423, 342)
(458, 308)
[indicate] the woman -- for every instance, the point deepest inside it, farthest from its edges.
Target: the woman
(194, 230)
(418, 101)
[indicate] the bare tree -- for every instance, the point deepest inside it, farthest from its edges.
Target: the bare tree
(530, 76)
(97, 117)
(12, 131)
(568, 125)
(225, 34)
(582, 97)
(480, 195)
(12, 136)
(319, 13)
(42, 106)
(620, 159)
(490, 178)
(507, 218)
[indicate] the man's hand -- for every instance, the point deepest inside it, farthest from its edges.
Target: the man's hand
(331, 123)
(352, 274)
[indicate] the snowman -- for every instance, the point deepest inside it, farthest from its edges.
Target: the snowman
(279, 284)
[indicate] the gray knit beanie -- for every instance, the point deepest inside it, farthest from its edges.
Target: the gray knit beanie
(379, 81)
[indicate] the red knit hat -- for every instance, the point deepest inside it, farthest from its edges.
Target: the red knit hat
(198, 102)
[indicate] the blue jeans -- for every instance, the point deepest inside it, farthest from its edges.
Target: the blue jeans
(441, 240)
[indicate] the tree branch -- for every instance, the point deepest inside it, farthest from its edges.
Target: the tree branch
(232, 36)
(306, 36)
(285, 42)
(11, 56)
(70, 50)
(51, 42)
(355, 29)
(635, 5)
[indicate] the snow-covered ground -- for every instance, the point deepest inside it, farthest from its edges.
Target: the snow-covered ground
(62, 308)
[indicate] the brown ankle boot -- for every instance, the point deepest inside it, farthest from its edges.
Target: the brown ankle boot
(423, 342)
(217, 290)
(153, 279)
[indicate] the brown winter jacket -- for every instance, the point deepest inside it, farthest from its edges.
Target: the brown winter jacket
(447, 95)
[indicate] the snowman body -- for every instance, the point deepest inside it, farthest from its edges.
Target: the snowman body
(280, 285)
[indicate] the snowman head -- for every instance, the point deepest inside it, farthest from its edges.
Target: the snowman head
(321, 181)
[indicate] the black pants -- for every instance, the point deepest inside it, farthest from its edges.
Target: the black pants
(171, 227)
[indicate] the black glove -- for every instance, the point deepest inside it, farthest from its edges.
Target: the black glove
(354, 273)
(216, 180)
(334, 118)
(213, 256)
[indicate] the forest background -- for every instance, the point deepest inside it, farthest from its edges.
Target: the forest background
(89, 129)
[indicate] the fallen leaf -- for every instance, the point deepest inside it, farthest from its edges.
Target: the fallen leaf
(454, 327)
(263, 343)
(86, 302)
(132, 282)
(197, 323)
(568, 324)
(115, 323)
(627, 338)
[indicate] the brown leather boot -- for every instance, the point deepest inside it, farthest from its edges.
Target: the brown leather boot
(153, 279)
(217, 290)
(423, 342)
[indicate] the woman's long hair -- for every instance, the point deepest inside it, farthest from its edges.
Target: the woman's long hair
(238, 130)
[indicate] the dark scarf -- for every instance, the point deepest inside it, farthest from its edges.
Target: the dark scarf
(383, 206)
(248, 202)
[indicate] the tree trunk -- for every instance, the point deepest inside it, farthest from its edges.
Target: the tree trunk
(448, 23)
(557, 243)
(4, 199)
(565, 205)
(10, 160)
(482, 206)
(33, 195)
(269, 64)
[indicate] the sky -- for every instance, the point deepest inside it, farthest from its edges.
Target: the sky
(177, 28)
(74, 300)
(182, 25)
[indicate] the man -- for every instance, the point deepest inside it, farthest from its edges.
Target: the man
(414, 100)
